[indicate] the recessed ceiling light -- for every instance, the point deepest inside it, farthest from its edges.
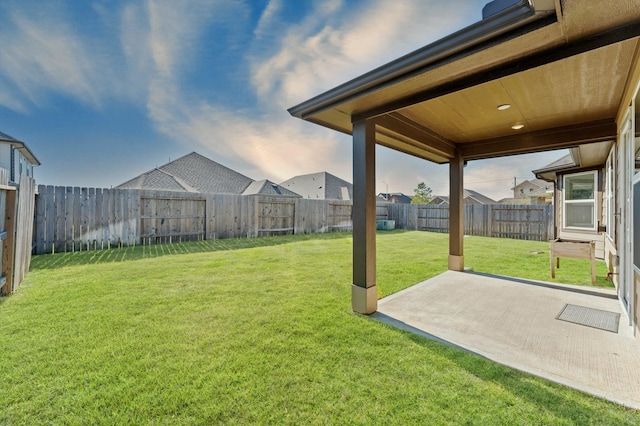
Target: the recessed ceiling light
(517, 126)
(503, 107)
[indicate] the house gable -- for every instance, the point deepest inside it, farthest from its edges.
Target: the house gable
(266, 187)
(320, 186)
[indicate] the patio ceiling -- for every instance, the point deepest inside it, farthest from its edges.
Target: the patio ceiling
(564, 76)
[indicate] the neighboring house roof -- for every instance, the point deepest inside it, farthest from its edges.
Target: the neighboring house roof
(321, 186)
(542, 184)
(474, 196)
(193, 173)
(197, 173)
(470, 197)
(440, 199)
(20, 146)
(266, 187)
(397, 197)
(157, 179)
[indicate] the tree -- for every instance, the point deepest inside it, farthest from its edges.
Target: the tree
(423, 194)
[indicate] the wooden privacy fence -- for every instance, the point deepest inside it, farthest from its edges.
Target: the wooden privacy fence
(17, 203)
(524, 222)
(73, 219)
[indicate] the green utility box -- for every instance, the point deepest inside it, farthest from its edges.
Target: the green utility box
(385, 225)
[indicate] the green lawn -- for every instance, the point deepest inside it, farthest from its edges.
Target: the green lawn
(260, 332)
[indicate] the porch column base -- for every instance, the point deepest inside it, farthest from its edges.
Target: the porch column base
(456, 263)
(364, 300)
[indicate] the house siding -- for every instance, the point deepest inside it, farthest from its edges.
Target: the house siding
(5, 156)
(22, 167)
(524, 188)
(12, 160)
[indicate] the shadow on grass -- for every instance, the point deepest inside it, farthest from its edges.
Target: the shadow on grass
(547, 396)
(61, 260)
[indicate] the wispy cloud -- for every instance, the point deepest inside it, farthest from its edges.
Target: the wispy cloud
(335, 43)
(40, 53)
(332, 43)
(268, 19)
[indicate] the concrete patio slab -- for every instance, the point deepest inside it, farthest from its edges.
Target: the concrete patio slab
(513, 322)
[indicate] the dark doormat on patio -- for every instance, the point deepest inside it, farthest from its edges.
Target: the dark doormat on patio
(596, 318)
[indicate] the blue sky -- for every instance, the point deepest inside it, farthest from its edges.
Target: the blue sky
(104, 90)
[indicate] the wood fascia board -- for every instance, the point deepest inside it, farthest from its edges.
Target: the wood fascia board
(542, 140)
(512, 67)
(433, 142)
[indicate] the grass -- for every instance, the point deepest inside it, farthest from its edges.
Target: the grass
(255, 332)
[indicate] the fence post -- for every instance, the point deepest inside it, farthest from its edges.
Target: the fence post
(8, 244)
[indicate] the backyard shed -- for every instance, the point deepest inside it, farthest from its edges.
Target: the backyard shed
(531, 76)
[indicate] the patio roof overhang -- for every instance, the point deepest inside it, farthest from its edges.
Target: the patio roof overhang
(563, 74)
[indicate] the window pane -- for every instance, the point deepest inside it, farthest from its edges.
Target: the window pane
(579, 187)
(579, 215)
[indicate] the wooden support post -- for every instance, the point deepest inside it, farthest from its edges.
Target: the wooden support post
(456, 213)
(364, 293)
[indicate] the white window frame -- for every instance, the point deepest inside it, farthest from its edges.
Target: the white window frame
(610, 195)
(593, 201)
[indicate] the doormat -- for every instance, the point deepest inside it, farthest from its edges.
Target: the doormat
(596, 318)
